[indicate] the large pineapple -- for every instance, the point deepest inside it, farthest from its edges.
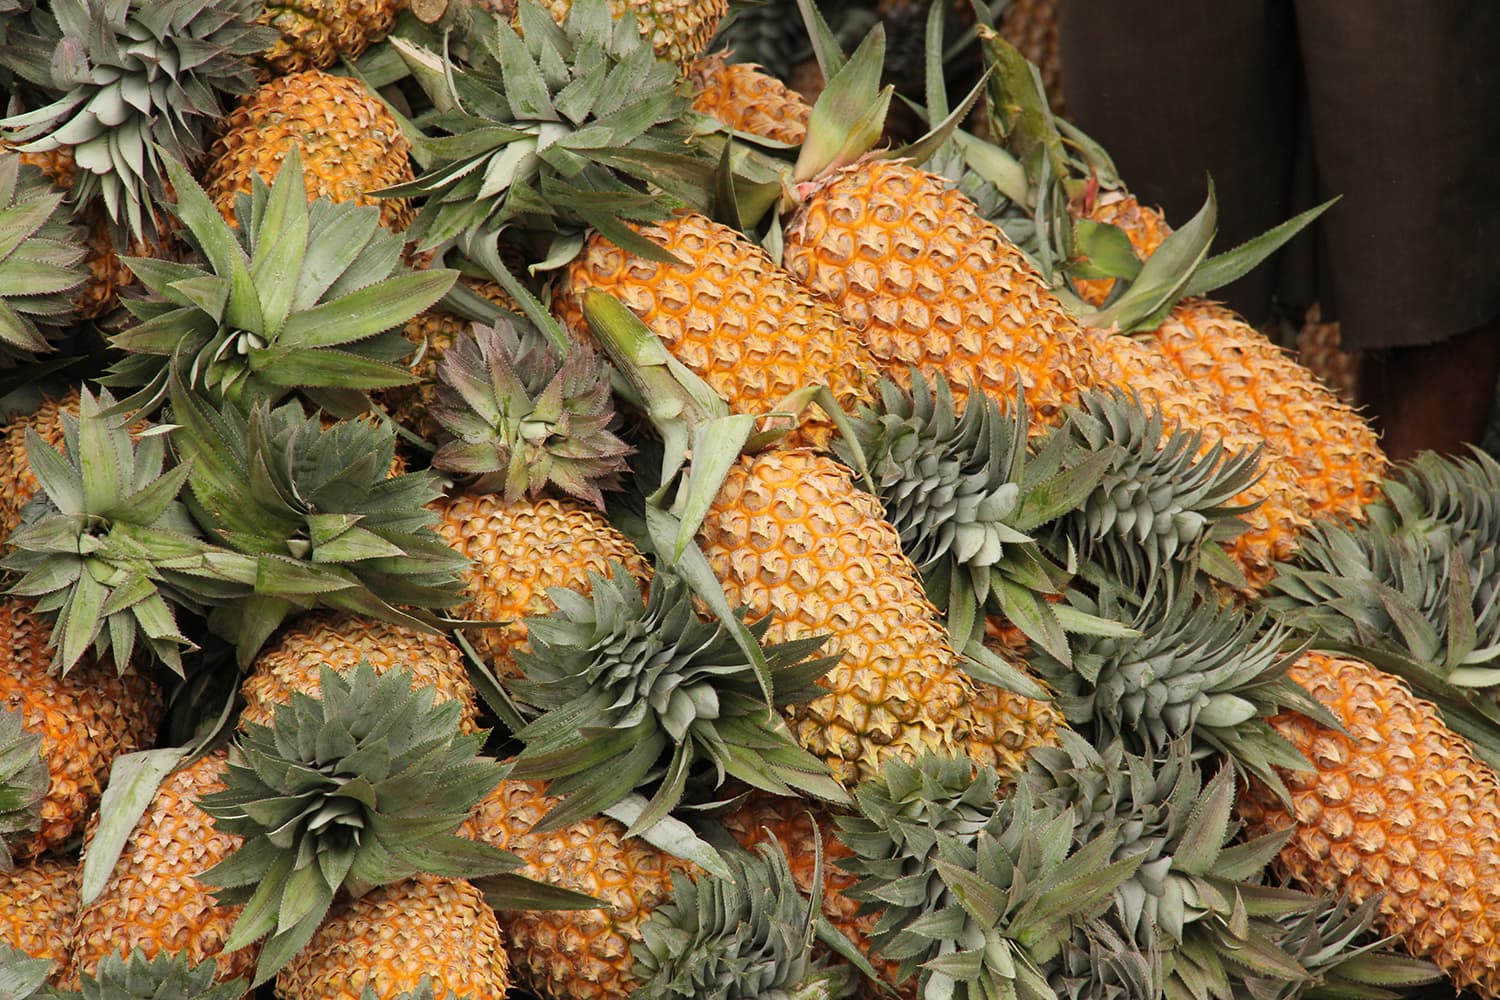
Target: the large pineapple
(1395, 804)
(349, 142)
(153, 899)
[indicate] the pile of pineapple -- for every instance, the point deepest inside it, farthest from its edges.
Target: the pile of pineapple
(512, 498)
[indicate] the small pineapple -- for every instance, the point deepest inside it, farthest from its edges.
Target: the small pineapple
(350, 143)
(317, 33)
(677, 30)
(386, 942)
(748, 99)
(153, 899)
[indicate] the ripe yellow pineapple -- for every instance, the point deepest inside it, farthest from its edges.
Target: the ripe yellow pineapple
(153, 900)
(316, 33)
(1401, 806)
(38, 905)
(520, 549)
(390, 938)
(746, 98)
(790, 535)
(86, 719)
(293, 662)
(1330, 449)
(349, 142)
(574, 954)
(728, 313)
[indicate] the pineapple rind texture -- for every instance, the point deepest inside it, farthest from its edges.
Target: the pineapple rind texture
(153, 899)
(1402, 806)
(350, 144)
(86, 719)
(38, 906)
(293, 663)
(389, 938)
(518, 551)
(743, 325)
(934, 286)
(575, 954)
(677, 29)
(789, 535)
(315, 33)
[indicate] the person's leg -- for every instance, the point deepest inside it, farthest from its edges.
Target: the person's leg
(1178, 90)
(1402, 101)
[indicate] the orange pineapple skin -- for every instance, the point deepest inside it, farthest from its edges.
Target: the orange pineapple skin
(153, 900)
(315, 33)
(932, 285)
(392, 936)
(575, 954)
(748, 99)
(349, 142)
(742, 324)
(790, 536)
(517, 551)
(1333, 451)
(19, 485)
(86, 719)
(294, 663)
(38, 905)
(1401, 806)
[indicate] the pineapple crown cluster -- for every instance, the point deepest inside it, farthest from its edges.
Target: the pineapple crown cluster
(313, 393)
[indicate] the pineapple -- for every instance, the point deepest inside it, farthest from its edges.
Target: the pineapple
(728, 313)
(1320, 349)
(38, 906)
(317, 33)
(677, 30)
(1331, 451)
(790, 535)
(293, 663)
(747, 99)
(583, 954)
(351, 144)
(1396, 806)
(153, 899)
(384, 943)
(1031, 26)
(86, 718)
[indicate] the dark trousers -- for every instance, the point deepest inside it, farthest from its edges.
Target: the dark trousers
(1392, 104)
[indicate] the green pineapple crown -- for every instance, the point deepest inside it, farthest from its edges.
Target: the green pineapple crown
(23, 783)
(1195, 907)
(300, 298)
(316, 513)
(107, 550)
(525, 416)
(551, 129)
(638, 690)
(1215, 673)
(1334, 941)
(1159, 504)
(358, 788)
(749, 936)
(40, 251)
(135, 86)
